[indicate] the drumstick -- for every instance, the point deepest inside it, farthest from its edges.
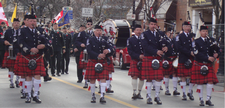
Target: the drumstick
(10, 44)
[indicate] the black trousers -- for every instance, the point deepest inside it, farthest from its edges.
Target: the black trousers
(2, 53)
(79, 71)
(56, 57)
(66, 58)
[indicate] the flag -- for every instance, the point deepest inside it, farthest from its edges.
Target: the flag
(14, 13)
(65, 20)
(58, 17)
(2, 15)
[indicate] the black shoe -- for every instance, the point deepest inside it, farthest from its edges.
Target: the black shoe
(109, 90)
(11, 86)
(102, 100)
(139, 96)
(209, 103)
(175, 92)
(167, 92)
(66, 72)
(161, 88)
(191, 97)
(153, 88)
(79, 81)
(134, 96)
(149, 99)
(93, 99)
(17, 84)
(184, 96)
(47, 79)
(37, 99)
(158, 101)
(85, 85)
(28, 99)
(58, 74)
(23, 96)
(53, 75)
(62, 73)
(21, 91)
(201, 103)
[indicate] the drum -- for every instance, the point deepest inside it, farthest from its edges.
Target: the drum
(118, 31)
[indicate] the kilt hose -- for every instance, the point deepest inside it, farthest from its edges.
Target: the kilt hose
(182, 71)
(82, 64)
(16, 67)
(90, 70)
(23, 69)
(110, 66)
(133, 71)
(196, 76)
(171, 69)
(7, 63)
(148, 72)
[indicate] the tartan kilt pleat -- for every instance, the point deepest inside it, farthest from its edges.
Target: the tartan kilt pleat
(197, 78)
(82, 65)
(7, 63)
(182, 71)
(90, 70)
(23, 69)
(133, 71)
(110, 66)
(148, 72)
(16, 67)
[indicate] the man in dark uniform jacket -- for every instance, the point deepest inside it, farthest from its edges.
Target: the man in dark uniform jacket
(205, 55)
(185, 55)
(81, 41)
(33, 45)
(152, 54)
(97, 49)
(2, 47)
(10, 38)
(58, 47)
(169, 57)
(89, 27)
(135, 51)
(77, 53)
(66, 56)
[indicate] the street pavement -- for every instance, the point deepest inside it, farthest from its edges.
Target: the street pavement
(65, 92)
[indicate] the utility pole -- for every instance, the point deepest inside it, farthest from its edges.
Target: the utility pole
(133, 23)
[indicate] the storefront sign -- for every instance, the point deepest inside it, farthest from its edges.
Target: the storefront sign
(200, 3)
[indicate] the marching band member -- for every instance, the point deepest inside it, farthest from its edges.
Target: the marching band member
(202, 71)
(31, 63)
(135, 50)
(170, 70)
(97, 68)
(11, 39)
(66, 56)
(185, 59)
(151, 67)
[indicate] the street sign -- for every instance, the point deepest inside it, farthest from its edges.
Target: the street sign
(70, 11)
(131, 16)
(87, 12)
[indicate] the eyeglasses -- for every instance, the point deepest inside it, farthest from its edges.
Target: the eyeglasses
(89, 24)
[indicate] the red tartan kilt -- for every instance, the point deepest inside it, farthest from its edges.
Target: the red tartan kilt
(171, 69)
(82, 65)
(7, 63)
(197, 78)
(110, 66)
(23, 69)
(133, 71)
(90, 70)
(182, 71)
(148, 72)
(16, 67)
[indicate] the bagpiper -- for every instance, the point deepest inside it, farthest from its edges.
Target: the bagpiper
(136, 53)
(185, 59)
(97, 68)
(206, 51)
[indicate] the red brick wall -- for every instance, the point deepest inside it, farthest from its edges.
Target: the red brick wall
(181, 13)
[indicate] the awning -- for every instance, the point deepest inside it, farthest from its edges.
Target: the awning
(161, 13)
